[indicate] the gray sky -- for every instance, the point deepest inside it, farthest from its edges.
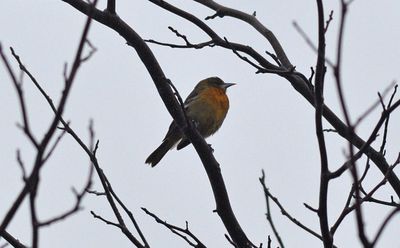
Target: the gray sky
(269, 125)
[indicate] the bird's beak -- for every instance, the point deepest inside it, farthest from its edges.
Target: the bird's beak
(227, 85)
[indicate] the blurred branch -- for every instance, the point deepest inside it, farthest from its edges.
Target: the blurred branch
(364, 149)
(348, 209)
(353, 169)
(384, 224)
(50, 152)
(374, 105)
(309, 42)
(31, 184)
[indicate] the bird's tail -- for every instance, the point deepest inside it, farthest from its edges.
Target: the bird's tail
(159, 153)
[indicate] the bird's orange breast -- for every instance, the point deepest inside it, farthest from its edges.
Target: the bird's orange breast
(209, 110)
(218, 101)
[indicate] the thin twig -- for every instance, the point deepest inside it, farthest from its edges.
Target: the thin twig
(21, 165)
(309, 42)
(183, 233)
(328, 21)
(18, 87)
(383, 225)
(268, 214)
(381, 150)
(287, 215)
(106, 221)
(56, 142)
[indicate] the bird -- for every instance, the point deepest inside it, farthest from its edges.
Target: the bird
(206, 106)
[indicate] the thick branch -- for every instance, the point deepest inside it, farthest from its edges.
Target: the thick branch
(224, 208)
(301, 85)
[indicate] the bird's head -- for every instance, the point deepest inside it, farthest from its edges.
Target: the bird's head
(214, 82)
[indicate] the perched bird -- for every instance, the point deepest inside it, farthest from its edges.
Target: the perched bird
(207, 106)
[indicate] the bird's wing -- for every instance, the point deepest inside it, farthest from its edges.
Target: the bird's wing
(192, 97)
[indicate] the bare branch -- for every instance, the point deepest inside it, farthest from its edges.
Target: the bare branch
(18, 87)
(383, 225)
(291, 218)
(111, 6)
(319, 102)
(268, 214)
(309, 42)
(12, 241)
(32, 181)
(260, 69)
(381, 150)
(328, 21)
(373, 106)
(21, 165)
(79, 197)
(353, 168)
(184, 233)
(106, 221)
(46, 157)
(222, 11)
(297, 80)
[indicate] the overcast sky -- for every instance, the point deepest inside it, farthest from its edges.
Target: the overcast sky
(269, 126)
